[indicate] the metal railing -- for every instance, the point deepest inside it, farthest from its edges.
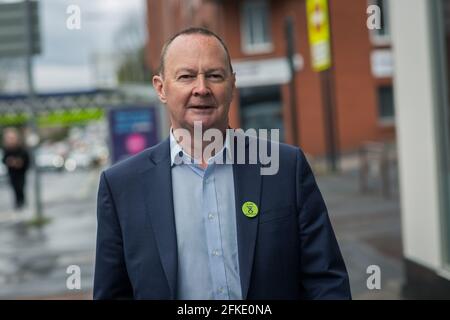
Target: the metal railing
(376, 160)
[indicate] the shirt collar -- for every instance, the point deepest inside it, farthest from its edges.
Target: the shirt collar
(176, 150)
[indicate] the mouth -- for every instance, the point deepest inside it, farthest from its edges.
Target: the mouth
(201, 107)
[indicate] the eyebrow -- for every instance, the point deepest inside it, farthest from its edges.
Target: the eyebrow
(195, 71)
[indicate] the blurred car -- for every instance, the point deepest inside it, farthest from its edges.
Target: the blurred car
(78, 160)
(47, 159)
(100, 154)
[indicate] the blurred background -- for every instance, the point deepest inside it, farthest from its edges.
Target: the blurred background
(360, 85)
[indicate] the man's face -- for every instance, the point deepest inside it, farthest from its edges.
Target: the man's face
(11, 139)
(197, 84)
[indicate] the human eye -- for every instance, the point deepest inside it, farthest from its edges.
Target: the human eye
(215, 76)
(185, 77)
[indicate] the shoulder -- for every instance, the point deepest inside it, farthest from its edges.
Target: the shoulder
(285, 151)
(280, 159)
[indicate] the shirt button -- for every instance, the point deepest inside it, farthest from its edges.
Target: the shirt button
(220, 290)
(210, 216)
(216, 252)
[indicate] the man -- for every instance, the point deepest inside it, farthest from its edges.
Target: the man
(16, 159)
(172, 225)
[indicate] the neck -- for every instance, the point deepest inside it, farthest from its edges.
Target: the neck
(195, 146)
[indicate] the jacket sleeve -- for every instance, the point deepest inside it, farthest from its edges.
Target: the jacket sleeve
(111, 278)
(323, 272)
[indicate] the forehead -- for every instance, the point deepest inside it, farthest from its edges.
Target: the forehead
(195, 50)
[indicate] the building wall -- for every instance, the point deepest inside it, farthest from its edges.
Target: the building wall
(354, 86)
(421, 88)
(416, 104)
(166, 17)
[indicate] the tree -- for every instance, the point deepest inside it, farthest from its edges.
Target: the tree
(130, 42)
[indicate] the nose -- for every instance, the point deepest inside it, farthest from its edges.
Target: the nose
(201, 87)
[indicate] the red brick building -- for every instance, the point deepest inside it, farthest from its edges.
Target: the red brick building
(254, 32)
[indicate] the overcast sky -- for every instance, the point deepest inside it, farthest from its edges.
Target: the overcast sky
(66, 60)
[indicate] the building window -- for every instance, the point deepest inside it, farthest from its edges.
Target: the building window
(386, 111)
(261, 108)
(381, 36)
(255, 27)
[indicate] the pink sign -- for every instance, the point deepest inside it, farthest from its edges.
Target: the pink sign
(135, 143)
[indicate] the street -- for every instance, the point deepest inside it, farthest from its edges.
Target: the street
(33, 261)
(368, 229)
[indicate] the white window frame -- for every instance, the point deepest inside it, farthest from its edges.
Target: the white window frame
(375, 37)
(255, 48)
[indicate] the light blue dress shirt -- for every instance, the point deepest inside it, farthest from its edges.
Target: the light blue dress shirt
(205, 219)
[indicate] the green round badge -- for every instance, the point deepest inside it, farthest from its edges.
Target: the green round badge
(250, 209)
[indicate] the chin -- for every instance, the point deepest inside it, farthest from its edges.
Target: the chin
(206, 123)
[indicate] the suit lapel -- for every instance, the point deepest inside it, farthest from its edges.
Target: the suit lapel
(247, 186)
(157, 188)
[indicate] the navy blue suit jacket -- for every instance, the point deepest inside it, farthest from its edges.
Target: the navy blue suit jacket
(288, 251)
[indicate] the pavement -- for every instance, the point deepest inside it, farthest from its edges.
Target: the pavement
(33, 261)
(368, 229)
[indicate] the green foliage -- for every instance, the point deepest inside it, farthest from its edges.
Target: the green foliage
(55, 118)
(133, 68)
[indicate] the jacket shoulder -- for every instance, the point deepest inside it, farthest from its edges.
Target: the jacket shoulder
(285, 150)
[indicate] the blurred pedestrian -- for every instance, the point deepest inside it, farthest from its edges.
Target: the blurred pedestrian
(16, 159)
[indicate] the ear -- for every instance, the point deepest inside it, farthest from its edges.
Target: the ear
(233, 86)
(158, 84)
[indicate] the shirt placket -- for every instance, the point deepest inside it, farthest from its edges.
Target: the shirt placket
(213, 236)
